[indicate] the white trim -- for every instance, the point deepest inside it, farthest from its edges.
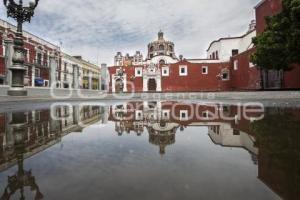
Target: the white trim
(205, 114)
(185, 73)
(184, 115)
(139, 115)
(167, 69)
(138, 72)
(206, 69)
(166, 114)
(235, 65)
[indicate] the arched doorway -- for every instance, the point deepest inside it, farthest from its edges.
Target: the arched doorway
(152, 85)
(119, 86)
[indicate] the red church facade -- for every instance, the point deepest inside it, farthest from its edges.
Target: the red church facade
(227, 67)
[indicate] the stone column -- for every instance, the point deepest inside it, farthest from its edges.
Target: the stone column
(33, 76)
(53, 68)
(9, 50)
(145, 84)
(158, 82)
(103, 77)
(125, 83)
(76, 76)
(76, 114)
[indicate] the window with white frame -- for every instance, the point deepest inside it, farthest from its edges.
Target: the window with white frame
(236, 65)
(184, 115)
(138, 72)
(204, 70)
(139, 115)
(37, 72)
(165, 71)
(166, 114)
(183, 70)
(26, 54)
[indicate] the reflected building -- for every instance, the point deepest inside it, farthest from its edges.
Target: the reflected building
(42, 129)
(273, 142)
(162, 120)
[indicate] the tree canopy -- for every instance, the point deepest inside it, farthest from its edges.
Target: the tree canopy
(279, 45)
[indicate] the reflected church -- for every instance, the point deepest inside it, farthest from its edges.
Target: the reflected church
(24, 134)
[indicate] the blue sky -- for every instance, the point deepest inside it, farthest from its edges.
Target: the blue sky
(98, 29)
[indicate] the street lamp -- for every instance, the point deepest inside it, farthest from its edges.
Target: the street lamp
(21, 14)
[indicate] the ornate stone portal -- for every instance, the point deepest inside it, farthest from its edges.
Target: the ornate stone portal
(119, 81)
(152, 79)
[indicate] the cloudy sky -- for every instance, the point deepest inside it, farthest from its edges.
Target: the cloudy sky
(97, 29)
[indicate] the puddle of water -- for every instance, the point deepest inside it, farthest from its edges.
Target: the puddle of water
(150, 150)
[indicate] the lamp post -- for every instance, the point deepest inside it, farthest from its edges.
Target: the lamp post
(21, 14)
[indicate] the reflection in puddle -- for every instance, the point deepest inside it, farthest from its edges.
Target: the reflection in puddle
(271, 138)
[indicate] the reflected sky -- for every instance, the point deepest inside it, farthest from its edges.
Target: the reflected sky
(148, 156)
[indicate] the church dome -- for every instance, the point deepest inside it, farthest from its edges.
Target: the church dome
(161, 47)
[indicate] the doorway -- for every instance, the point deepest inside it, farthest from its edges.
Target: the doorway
(152, 85)
(119, 86)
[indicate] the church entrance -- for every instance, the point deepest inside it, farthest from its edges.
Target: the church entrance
(119, 86)
(152, 85)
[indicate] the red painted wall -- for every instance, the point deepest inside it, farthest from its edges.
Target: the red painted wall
(266, 8)
(194, 81)
(245, 77)
(292, 78)
(45, 72)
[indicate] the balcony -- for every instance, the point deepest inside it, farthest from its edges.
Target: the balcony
(40, 64)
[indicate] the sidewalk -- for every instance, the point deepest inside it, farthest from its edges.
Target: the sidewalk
(209, 96)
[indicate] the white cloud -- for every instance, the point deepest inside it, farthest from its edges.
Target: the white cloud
(98, 29)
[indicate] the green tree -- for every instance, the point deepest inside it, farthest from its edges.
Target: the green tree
(279, 45)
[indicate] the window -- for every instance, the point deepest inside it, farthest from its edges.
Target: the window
(165, 71)
(162, 62)
(251, 64)
(39, 58)
(217, 55)
(37, 73)
(235, 52)
(236, 65)
(236, 132)
(183, 70)
(205, 114)
(161, 47)
(138, 72)
(139, 115)
(65, 66)
(184, 115)
(225, 76)
(166, 114)
(205, 70)
(151, 48)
